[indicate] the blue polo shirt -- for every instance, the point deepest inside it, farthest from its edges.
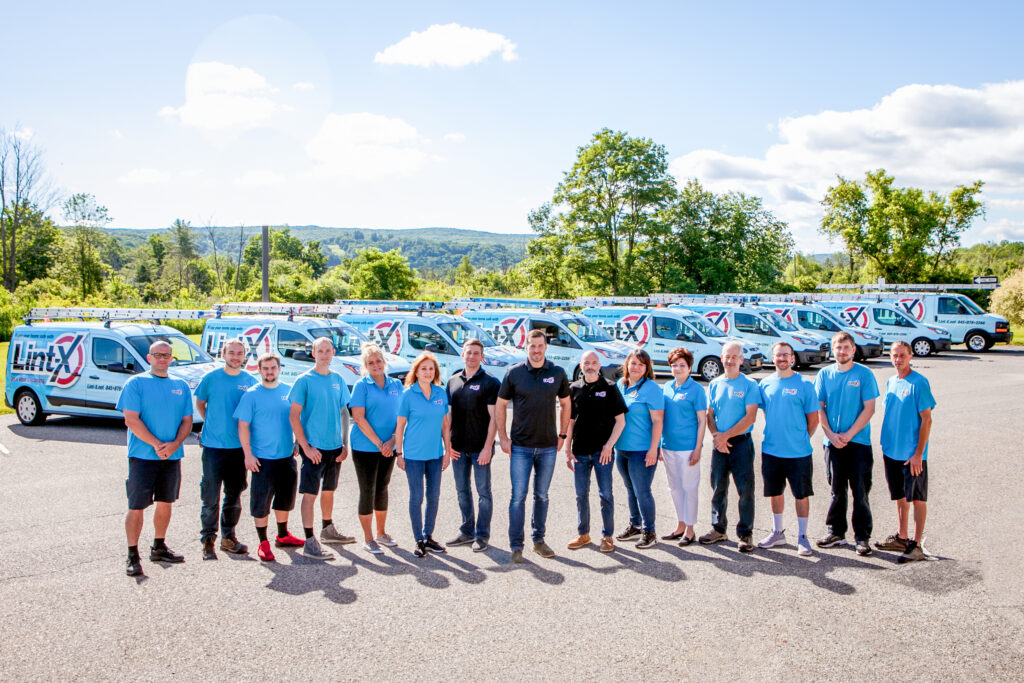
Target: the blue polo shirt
(322, 398)
(422, 439)
(162, 403)
(381, 406)
(905, 400)
(682, 403)
(266, 411)
(786, 404)
(641, 399)
(222, 392)
(729, 399)
(843, 395)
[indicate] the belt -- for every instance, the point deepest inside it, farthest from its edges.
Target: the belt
(740, 438)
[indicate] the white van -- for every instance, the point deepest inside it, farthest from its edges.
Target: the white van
(291, 337)
(818, 319)
(569, 335)
(659, 330)
(79, 368)
(891, 324)
(764, 328)
(409, 334)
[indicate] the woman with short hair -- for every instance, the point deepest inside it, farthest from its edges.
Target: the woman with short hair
(686, 408)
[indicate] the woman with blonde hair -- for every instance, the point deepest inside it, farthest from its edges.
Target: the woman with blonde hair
(424, 430)
(374, 408)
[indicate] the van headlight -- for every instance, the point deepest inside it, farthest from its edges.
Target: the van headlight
(611, 355)
(939, 331)
(496, 363)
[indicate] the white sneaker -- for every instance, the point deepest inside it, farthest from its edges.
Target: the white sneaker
(773, 539)
(384, 539)
(804, 547)
(372, 547)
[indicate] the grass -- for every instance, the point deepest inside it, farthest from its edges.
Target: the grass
(4, 410)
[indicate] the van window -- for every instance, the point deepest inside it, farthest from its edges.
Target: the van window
(183, 349)
(812, 320)
(556, 335)
(421, 336)
(289, 342)
(107, 351)
(891, 318)
(670, 328)
(950, 306)
(752, 324)
(704, 327)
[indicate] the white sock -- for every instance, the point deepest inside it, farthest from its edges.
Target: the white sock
(777, 522)
(802, 523)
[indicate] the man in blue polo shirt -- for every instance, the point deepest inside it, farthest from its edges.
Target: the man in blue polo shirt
(158, 413)
(905, 431)
(847, 393)
(217, 396)
(733, 399)
(266, 436)
(319, 419)
(790, 417)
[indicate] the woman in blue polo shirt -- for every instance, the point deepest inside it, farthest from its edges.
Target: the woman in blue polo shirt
(422, 444)
(374, 407)
(636, 451)
(682, 439)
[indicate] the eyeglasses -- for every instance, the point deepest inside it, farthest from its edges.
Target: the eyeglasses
(162, 355)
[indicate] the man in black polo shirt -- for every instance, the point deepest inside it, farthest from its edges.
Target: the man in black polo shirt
(472, 394)
(532, 388)
(598, 416)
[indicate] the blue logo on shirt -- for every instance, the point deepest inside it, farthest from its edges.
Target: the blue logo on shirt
(740, 394)
(549, 380)
(789, 392)
(601, 394)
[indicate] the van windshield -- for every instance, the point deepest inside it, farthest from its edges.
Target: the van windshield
(346, 339)
(586, 330)
(462, 331)
(971, 306)
(183, 349)
(705, 328)
(777, 320)
(813, 320)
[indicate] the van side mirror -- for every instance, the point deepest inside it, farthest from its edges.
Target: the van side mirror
(302, 355)
(432, 348)
(121, 368)
(682, 337)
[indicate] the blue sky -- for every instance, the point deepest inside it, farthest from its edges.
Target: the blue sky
(466, 114)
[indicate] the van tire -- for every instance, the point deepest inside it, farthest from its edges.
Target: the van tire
(710, 368)
(922, 347)
(977, 341)
(576, 374)
(28, 409)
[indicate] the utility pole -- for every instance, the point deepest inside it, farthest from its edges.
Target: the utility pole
(266, 263)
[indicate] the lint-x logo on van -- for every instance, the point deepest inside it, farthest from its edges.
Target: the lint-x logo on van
(61, 359)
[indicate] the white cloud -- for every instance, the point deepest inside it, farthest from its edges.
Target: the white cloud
(24, 133)
(304, 86)
(930, 136)
(455, 137)
(144, 176)
(448, 45)
(365, 145)
(260, 178)
(1003, 229)
(220, 97)
(115, 133)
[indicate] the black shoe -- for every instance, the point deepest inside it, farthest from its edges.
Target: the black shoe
(687, 540)
(647, 540)
(629, 533)
(164, 554)
(230, 544)
(433, 546)
(208, 551)
(863, 548)
(673, 537)
(746, 544)
(421, 549)
(133, 567)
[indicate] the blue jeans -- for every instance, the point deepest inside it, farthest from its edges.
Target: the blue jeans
(637, 477)
(584, 464)
(740, 462)
(462, 469)
(419, 471)
(523, 461)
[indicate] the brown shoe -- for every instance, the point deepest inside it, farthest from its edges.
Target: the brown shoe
(230, 544)
(579, 542)
(713, 536)
(607, 545)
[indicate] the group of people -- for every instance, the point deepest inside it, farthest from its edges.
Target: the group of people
(423, 427)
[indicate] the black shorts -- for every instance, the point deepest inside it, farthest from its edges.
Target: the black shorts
(326, 471)
(274, 482)
(797, 471)
(902, 484)
(150, 480)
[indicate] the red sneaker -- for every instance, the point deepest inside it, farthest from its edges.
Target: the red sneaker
(264, 552)
(288, 540)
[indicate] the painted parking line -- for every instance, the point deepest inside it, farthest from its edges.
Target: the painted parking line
(3, 449)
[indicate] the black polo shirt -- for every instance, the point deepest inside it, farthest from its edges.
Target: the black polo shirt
(533, 393)
(469, 399)
(595, 405)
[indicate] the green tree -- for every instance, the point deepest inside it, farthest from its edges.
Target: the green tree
(905, 234)
(83, 264)
(158, 245)
(41, 244)
(283, 246)
(1008, 300)
(314, 257)
(381, 275)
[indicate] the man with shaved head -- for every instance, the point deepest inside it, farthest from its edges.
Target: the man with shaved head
(158, 412)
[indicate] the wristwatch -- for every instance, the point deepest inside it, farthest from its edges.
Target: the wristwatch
(562, 436)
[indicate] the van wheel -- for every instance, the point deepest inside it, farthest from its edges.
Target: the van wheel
(26, 405)
(577, 373)
(977, 341)
(710, 368)
(922, 347)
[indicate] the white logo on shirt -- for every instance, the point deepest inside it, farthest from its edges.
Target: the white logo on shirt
(549, 380)
(601, 394)
(903, 393)
(393, 392)
(854, 382)
(739, 394)
(242, 387)
(438, 402)
(789, 392)
(681, 397)
(475, 387)
(176, 392)
(336, 386)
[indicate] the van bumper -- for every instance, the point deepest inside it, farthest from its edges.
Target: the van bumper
(612, 372)
(942, 344)
(813, 357)
(870, 350)
(752, 364)
(1002, 337)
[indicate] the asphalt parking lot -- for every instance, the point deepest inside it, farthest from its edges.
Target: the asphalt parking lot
(667, 613)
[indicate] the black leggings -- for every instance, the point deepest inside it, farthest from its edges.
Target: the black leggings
(373, 471)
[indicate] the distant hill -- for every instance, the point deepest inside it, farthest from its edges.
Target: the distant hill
(429, 250)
